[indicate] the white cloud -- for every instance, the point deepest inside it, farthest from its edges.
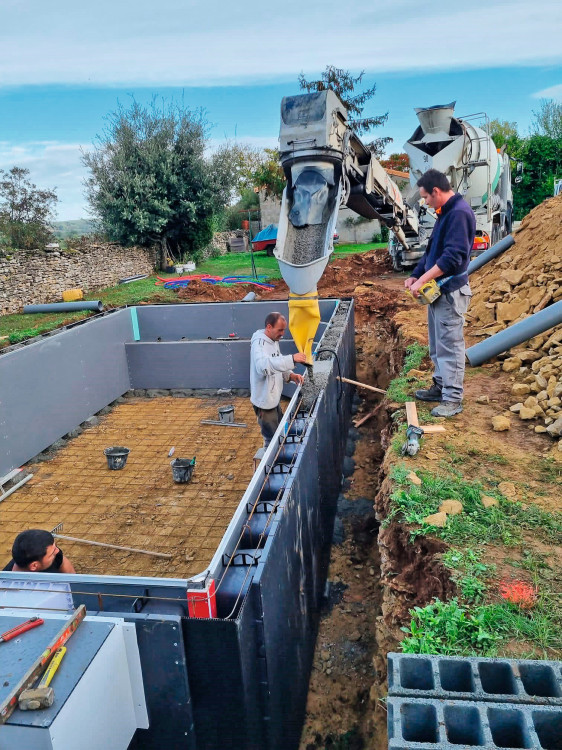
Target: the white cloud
(188, 42)
(52, 165)
(58, 166)
(554, 92)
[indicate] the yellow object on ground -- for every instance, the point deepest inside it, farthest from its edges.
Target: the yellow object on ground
(72, 295)
(304, 317)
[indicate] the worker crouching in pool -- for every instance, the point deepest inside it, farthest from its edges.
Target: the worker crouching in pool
(269, 369)
(35, 551)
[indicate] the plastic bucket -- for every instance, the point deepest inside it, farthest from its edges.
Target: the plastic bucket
(116, 457)
(226, 414)
(182, 469)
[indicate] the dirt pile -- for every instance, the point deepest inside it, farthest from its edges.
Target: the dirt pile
(343, 277)
(524, 280)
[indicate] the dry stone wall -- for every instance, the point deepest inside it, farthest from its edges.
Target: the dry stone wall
(38, 277)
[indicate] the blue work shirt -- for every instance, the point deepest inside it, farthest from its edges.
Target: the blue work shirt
(450, 243)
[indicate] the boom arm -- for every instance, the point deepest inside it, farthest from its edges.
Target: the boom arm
(327, 166)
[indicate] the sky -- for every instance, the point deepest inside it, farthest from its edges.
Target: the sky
(65, 65)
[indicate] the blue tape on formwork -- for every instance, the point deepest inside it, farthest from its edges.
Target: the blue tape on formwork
(135, 323)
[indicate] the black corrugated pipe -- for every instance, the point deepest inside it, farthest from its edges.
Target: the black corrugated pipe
(491, 253)
(95, 304)
(515, 334)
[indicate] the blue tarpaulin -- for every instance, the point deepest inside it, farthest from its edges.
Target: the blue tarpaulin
(269, 233)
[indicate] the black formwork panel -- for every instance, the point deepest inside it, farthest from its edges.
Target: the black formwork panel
(289, 585)
(58, 382)
(166, 686)
(223, 668)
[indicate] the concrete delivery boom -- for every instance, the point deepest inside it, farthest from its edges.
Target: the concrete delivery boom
(326, 166)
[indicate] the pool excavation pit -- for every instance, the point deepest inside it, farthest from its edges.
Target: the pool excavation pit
(211, 647)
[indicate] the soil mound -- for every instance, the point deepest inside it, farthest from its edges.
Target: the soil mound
(524, 280)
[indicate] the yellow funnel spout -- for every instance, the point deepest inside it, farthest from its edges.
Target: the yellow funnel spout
(304, 317)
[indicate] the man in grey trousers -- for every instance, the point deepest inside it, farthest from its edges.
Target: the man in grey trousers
(269, 369)
(448, 255)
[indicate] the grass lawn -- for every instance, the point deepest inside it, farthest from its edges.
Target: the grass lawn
(17, 327)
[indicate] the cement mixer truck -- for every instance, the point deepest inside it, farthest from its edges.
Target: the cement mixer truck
(462, 149)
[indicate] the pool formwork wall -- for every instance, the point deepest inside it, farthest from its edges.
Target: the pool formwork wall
(240, 680)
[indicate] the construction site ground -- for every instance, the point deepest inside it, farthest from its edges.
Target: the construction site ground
(385, 561)
(381, 565)
(140, 505)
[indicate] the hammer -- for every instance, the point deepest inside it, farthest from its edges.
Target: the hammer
(42, 696)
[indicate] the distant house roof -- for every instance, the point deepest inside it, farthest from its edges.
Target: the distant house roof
(396, 173)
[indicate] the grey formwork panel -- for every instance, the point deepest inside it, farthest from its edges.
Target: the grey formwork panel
(192, 364)
(214, 319)
(174, 322)
(474, 678)
(49, 387)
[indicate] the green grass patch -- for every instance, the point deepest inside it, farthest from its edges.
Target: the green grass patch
(550, 471)
(19, 326)
(469, 572)
(503, 523)
(401, 389)
(452, 629)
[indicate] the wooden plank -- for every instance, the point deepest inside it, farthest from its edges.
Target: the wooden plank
(412, 414)
(432, 429)
(359, 422)
(360, 385)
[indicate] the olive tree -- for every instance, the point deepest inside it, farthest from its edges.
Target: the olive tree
(149, 181)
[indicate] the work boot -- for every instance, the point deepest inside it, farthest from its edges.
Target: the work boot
(447, 409)
(430, 394)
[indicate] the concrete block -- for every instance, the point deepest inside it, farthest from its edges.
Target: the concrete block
(437, 724)
(475, 679)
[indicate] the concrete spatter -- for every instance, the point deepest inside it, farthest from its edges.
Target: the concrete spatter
(141, 506)
(319, 374)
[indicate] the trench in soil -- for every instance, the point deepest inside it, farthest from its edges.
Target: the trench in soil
(344, 709)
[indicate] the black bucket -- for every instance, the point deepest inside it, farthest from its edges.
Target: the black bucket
(182, 469)
(226, 414)
(116, 457)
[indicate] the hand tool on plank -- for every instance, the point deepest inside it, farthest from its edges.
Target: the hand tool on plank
(9, 703)
(43, 695)
(34, 622)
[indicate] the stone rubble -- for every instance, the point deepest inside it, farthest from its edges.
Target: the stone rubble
(524, 280)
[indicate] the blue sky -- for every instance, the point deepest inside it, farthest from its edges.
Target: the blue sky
(63, 67)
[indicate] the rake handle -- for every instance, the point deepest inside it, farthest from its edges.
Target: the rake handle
(113, 546)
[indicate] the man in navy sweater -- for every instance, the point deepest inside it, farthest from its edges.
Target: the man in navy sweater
(448, 255)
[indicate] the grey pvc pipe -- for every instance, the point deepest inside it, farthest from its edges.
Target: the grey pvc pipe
(516, 334)
(95, 305)
(491, 253)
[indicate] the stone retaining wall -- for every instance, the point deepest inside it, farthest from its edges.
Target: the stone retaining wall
(38, 277)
